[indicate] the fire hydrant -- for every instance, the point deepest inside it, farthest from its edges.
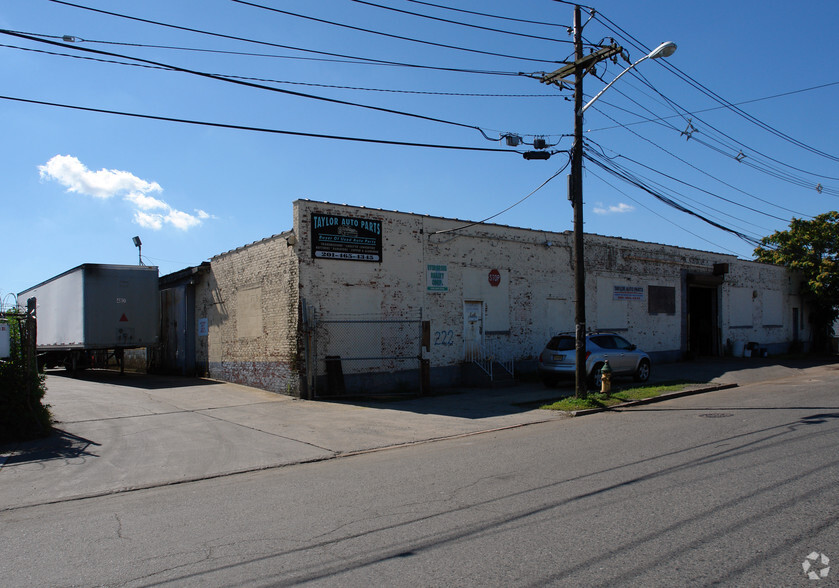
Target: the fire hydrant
(606, 378)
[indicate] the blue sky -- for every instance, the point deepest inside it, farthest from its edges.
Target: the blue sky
(78, 185)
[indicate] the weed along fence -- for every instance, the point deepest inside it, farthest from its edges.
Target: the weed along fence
(361, 355)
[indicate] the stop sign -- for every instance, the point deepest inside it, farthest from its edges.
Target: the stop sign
(494, 277)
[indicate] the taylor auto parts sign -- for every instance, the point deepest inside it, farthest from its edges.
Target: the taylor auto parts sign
(342, 237)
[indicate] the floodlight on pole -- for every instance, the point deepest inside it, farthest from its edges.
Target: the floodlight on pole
(139, 245)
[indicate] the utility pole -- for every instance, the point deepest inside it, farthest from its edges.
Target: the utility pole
(582, 64)
(576, 187)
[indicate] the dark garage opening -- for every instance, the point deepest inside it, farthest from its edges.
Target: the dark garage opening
(702, 321)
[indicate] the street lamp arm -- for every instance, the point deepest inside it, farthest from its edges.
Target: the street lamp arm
(664, 50)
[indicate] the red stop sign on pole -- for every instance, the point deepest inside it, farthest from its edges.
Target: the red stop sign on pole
(494, 277)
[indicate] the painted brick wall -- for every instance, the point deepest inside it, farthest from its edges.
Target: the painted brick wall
(535, 296)
(521, 280)
(250, 298)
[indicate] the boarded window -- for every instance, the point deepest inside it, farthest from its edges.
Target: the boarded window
(662, 299)
(249, 309)
(773, 308)
(741, 302)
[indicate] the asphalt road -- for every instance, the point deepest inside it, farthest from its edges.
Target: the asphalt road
(734, 487)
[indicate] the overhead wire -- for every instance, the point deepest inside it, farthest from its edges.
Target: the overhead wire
(734, 147)
(344, 58)
(628, 177)
(367, 60)
(542, 185)
(661, 216)
(670, 153)
(275, 81)
(495, 16)
(252, 128)
(616, 29)
(712, 108)
(677, 196)
(391, 35)
(741, 145)
(252, 84)
(459, 23)
(737, 147)
(289, 82)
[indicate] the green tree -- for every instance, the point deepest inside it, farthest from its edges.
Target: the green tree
(22, 412)
(811, 247)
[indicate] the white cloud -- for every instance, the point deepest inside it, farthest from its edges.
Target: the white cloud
(614, 209)
(181, 220)
(144, 202)
(76, 177)
(148, 221)
(105, 183)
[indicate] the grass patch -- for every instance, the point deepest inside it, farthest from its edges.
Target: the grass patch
(598, 400)
(642, 392)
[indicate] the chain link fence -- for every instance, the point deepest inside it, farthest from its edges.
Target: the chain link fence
(363, 355)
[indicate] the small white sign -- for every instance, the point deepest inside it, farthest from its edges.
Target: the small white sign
(437, 278)
(5, 344)
(628, 293)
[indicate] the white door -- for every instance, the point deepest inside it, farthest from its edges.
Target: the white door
(473, 327)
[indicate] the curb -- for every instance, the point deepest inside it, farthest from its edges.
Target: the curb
(661, 398)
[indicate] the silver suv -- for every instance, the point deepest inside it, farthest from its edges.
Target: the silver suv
(558, 359)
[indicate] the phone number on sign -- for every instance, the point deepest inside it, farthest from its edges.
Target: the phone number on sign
(353, 256)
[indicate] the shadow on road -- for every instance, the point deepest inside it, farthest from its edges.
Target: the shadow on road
(131, 379)
(59, 445)
(477, 403)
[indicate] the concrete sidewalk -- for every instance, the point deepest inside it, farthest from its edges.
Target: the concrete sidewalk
(116, 433)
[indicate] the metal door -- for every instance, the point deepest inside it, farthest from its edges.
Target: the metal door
(473, 328)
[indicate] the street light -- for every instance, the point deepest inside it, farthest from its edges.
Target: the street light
(666, 49)
(579, 67)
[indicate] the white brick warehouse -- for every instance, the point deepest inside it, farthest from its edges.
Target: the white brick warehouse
(370, 276)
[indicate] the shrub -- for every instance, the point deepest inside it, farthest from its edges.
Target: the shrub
(22, 412)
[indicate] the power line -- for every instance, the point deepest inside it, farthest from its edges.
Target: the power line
(289, 82)
(712, 108)
(338, 59)
(370, 60)
(507, 18)
(459, 23)
(255, 129)
(735, 147)
(389, 35)
(542, 185)
(661, 216)
(716, 97)
(700, 170)
(608, 166)
(676, 107)
(251, 84)
(665, 189)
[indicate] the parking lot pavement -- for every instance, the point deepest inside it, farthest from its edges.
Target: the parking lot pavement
(119, 432)
(115, 433)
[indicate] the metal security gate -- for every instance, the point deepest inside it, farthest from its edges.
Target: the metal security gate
(356, 355)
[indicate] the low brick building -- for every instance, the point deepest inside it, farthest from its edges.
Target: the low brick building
(337, 304)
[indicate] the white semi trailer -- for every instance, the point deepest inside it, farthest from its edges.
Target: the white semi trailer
(95, 308)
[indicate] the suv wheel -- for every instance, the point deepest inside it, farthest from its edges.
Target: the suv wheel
(642, 374)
